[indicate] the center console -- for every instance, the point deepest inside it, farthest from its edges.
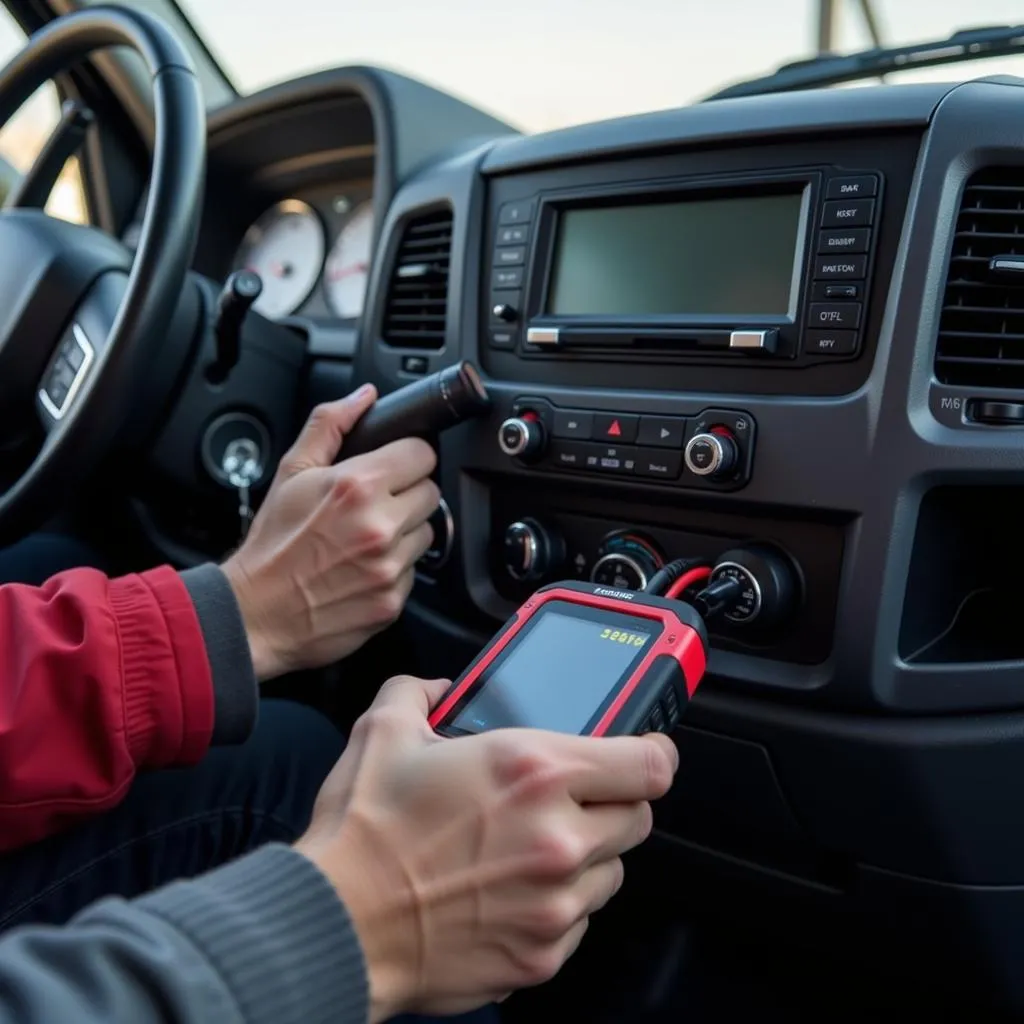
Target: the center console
(781, 335)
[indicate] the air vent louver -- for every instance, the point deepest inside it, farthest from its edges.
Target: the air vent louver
(417, 302)
(981, 332)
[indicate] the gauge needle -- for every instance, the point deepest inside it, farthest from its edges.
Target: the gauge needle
(339, 273)
(279, 269)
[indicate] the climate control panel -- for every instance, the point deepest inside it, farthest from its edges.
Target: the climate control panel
(788, 572)
(711, 450)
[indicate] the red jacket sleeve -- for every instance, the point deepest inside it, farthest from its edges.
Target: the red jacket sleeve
(98, 678)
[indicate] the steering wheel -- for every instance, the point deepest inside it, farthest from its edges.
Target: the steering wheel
(81, 319)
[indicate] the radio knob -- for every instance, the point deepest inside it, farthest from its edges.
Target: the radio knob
(531, 550)
(443, 525)
(521, 437)
(714, 455)
(506, 313)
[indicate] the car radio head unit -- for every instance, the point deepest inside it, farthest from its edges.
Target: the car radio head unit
(683, 258)
(768, 266)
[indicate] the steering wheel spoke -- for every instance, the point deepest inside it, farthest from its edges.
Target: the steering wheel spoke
(65, 375)
(78, 355)
(83, 319)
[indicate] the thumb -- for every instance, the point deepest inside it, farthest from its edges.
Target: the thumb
(413, 697)
(320, 440)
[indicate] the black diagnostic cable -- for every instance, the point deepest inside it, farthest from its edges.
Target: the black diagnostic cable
(718, 597)
(670, 575)
(676, 577)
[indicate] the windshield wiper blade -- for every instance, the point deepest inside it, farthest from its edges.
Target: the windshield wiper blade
(965, 45)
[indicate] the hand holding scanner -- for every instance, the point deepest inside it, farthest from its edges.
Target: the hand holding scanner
(582, 659)
(420, 409)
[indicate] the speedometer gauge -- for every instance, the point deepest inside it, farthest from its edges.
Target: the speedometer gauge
(286, 248)
(348, 265)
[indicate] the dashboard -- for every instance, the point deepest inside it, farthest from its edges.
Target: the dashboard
(786, 327)
(782, 334)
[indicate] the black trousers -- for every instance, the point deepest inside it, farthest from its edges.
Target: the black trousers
(175, 823)
(180, 822)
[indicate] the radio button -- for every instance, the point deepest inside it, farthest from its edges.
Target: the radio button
(507, 277)
(621, 429)
(569, 455)
(503, 339)
(860, 187)
(514, 235)
(661, 431)
(754, 341)
(659, 465)
(504, 308)
(840, 268)
(854, 213)
(857, 240)
(835, 314)
(830, 343)
(822, 291)
(510, 255)
(519, 212)
(577, 426)
(610, 458)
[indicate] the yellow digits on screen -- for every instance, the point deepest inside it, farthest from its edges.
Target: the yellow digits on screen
(621, 636)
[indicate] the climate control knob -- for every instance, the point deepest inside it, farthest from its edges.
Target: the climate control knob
(626, 561)
(521, 437)
(531, 551)
(714, 455)
(770, 585)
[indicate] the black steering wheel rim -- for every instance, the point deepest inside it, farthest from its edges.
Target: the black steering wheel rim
(162, 257)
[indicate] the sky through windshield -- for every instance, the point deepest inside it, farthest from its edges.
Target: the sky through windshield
(543, 64)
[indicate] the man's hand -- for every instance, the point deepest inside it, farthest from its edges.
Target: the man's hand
(470, 866)
(330, 558)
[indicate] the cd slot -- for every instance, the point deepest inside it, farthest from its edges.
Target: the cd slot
(652, 339)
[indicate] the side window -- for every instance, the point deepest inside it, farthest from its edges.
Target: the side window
(22, 138)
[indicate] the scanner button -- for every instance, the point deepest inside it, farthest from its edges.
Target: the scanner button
(657, 719)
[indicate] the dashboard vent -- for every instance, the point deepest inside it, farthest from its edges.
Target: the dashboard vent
(416, 309)
(981, 332)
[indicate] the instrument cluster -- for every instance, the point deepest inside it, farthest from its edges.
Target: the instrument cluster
(313, 253)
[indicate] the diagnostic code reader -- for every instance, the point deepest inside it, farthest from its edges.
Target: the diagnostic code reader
(582, 659)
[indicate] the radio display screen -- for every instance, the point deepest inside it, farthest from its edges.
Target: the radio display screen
(735, 257)
(559, 672)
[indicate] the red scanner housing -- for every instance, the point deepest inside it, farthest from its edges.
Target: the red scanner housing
(585, 659)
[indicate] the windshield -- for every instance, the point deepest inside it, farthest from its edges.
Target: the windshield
(542, 64)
